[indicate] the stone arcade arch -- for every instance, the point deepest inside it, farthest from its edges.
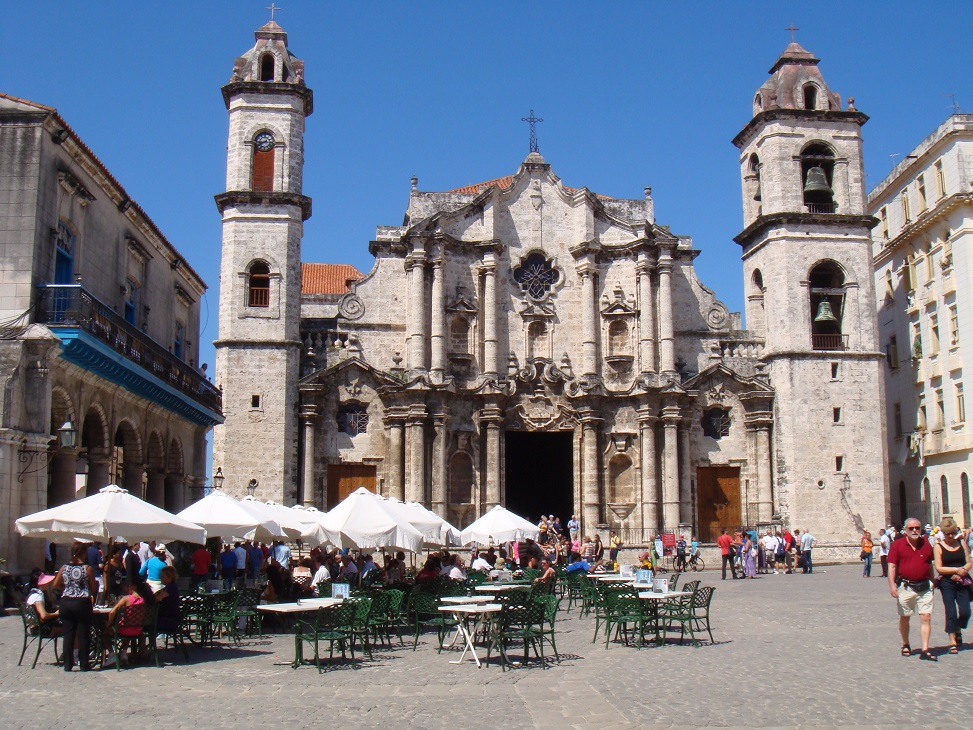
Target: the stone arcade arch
(95, 446)
(175, 478)
(61, 482)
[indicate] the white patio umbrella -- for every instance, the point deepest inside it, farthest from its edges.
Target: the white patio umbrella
(111, 512)
(429, 524)
(224, 516)
(499, 525)
(363, 520)
(449, 535)
(290, 520)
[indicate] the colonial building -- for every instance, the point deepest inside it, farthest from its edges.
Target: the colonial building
(551, 349)
(922, 274)
(99, 333)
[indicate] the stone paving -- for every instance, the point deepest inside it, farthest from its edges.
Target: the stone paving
(791, 650)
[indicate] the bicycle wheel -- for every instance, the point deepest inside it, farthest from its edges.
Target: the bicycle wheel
(698, 564)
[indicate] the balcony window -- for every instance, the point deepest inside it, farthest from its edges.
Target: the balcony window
(258, 285)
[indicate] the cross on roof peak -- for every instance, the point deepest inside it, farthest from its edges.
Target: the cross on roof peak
(532, 121)
(793, 29)
(272, 8)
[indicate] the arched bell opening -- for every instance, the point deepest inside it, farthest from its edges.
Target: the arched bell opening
(817, 174)
(827, 281)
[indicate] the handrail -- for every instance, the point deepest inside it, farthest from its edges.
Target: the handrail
(71, 305)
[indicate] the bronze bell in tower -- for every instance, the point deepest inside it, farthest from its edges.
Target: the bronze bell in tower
(824, 313)
(817, 183)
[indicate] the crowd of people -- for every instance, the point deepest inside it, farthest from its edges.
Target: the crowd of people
(747, 554)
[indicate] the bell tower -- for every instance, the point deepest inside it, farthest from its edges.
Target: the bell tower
(810, 293)
(263, 209)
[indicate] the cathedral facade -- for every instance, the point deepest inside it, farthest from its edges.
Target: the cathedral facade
(544, 347)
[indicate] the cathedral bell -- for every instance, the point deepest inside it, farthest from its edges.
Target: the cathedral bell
(824, 313)
(817, 183)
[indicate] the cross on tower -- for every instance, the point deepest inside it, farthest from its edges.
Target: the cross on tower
(272, 8)
(793, 30)
(532, 120)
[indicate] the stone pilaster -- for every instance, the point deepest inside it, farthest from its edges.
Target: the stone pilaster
(394, 470)
(490, 418)
(415, 452)
(649, 497)
(589, 334)
(646, 315)
(308, 493)
(670, 468)
(590, 472)
(491, 366)
(439, 483)
(667, 362)
(685, 483)
(416, 266)
(438, 339)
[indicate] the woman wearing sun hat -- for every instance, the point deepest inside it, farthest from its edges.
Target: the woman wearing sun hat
(41, 597)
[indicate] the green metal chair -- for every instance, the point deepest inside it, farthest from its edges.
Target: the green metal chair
(546, 630)
(224, 619)
(36, 630)
(330, 625)
(689, 616)
(519, 621)
(531, 573)
(359, 628)
(425, 608)
(624, 613)
(247, 609)
(141, 617)
(575, 582)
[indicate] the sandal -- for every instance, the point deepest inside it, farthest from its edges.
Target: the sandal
(928, 656)
(906, 650)
(953, 649)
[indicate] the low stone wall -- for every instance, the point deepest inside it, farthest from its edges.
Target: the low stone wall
(841, 554)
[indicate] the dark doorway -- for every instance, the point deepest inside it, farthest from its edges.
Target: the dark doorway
(539, 474)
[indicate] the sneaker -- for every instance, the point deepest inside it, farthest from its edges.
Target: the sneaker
(775, 571)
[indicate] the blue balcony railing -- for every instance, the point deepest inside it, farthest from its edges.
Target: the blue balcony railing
(71, 306)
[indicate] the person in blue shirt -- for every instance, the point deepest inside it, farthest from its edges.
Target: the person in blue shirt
(575, 563)
(152, 568)
(228, 563)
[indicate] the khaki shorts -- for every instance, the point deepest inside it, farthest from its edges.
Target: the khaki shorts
(911, 603)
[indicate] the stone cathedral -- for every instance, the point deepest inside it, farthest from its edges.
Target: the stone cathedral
(544, 347)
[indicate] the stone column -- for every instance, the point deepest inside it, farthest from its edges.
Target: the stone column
(309, 417)
(416, 266)
(174, 498)
(438, 339)
(646, 315)
(765, 500)
(491, 365)
(685, 483)
(395, 456)
(99, 471)
(490, 420)
(670, 468)
(63, 485)
(439, 499)
(132, 478)
(667, 362)
(589, 334)
(155, 488)
(415, 448)
(650, 484)
(590, 472)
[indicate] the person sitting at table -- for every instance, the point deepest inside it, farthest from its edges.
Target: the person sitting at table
(482, 563)
(41, 597)
(547, 572)
(429, 572)
(645, 560)
(115, 572)
(138, 593)
(321, 574)
(152, 569)
(395, 570)
(168, 600)
(576, 563)
(453, 569)
(367, 566)
(303, 579)
(349, 570)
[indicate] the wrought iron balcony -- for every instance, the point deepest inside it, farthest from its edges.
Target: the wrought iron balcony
(70, 306)
(829, 342)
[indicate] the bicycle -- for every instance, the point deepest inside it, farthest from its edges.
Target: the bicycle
(695, 563)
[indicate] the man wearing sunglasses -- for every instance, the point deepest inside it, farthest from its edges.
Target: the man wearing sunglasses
(910, 583)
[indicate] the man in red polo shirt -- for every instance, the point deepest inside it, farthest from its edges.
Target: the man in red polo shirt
(910, 583)
(726, 549)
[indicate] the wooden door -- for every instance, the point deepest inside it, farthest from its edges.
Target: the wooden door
(343, 479)
(718, 500)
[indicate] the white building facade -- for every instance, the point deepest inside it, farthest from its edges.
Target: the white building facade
(922, 258)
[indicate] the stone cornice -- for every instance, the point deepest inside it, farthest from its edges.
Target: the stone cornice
(773, 115)
(249, 197)
(271, 88)
(925, 219)
(828, 220)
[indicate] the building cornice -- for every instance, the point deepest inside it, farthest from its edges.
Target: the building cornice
(234, 198)
(827, 220)
(923, 222)
(803, 115)
(271, 88)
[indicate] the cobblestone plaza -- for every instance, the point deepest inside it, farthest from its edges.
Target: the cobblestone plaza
(791, 650)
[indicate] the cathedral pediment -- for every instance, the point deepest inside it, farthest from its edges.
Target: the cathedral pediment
(717, 382)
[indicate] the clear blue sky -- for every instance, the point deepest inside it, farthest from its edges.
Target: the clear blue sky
(632, 93)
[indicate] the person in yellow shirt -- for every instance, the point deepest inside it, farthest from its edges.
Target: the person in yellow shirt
(866, 554)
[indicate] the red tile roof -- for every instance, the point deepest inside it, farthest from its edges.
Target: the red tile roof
(503, 183)
(328, 278)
